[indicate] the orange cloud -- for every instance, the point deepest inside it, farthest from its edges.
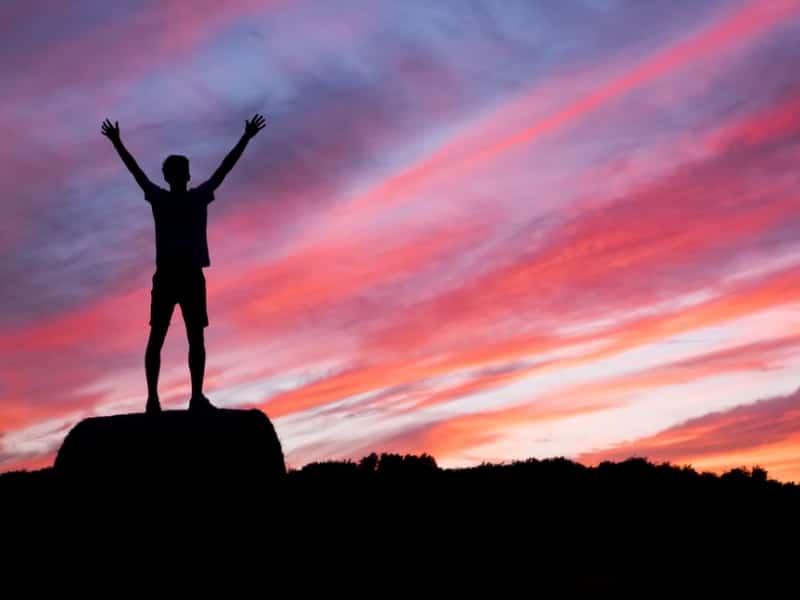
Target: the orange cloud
(450, 437)
(764, 433)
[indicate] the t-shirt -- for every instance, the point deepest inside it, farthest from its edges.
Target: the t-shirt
(180, 220)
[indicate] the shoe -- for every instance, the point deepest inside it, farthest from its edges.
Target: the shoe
(153, 406)
(201, 404)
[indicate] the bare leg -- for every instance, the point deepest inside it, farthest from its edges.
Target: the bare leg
(197, 365)
(197, 359)
(152, 365)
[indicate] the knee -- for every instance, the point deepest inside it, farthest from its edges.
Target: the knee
(156, 339)
(196, 341)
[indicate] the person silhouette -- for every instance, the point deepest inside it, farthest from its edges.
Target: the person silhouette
(180, 216)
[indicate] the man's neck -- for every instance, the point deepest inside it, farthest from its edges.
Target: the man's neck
(177, 188)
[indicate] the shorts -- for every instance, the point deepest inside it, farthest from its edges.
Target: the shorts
(186, 287)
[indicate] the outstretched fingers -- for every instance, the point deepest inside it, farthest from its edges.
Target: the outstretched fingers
(256, 124)
(110, 129)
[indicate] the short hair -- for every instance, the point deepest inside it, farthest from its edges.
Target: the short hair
(174, 163)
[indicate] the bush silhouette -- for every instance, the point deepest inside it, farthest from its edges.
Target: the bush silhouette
(630, 525)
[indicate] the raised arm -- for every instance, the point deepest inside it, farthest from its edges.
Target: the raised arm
(111, 131)
(251, 128)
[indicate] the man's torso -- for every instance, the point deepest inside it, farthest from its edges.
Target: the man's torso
(180, 224)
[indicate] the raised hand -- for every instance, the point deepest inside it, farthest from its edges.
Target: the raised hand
(254, 125)
(251, 128)
(110, 130)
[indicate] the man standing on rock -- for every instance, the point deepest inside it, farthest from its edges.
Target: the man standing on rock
(181, 254)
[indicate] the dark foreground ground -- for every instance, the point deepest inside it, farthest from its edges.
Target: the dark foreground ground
(551, 524)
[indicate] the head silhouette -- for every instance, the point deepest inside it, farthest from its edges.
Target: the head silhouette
(176, 170)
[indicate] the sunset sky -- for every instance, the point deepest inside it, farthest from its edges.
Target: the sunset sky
(481, 230)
